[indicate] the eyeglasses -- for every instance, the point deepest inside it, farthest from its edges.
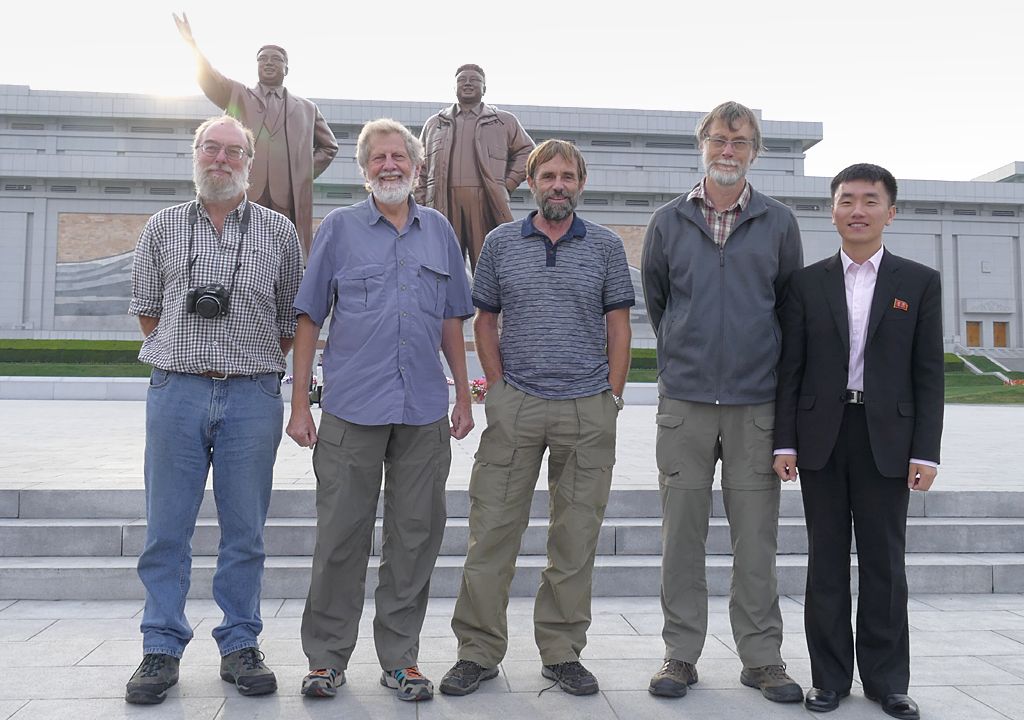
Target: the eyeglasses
(231, 152)
(276, 59)
(720, 143)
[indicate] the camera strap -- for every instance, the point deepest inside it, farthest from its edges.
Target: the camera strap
(243, 228)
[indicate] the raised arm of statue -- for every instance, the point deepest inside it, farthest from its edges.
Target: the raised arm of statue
(214, 85)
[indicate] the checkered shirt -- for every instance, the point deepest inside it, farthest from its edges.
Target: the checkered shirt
(721, 223)
(246, 341)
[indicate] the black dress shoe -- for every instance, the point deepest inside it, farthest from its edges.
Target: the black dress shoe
(819, 700)
(898, 706)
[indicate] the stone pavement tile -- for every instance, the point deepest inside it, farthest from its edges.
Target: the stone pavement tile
(794, 644)
(116, 708)
(1017, 635)
(553, 704)
(199, 608)
(960, 643)
(1007, 699)
(931, 671)
(966, 620)
(1007, 601)
(11, 630)
(72, 609)
(274, 707)
(48, 654)
(93, 629)
(620, 647)
(75, 683)
(914, 604)
(6, 603)
(950, 703)
(9, 707)
(288, 651)
(273, 627)
(710, 704)
(1010, 663)
(112, 653)
(718, 622)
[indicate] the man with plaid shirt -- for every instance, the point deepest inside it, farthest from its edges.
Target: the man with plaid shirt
(213, 284)
(715, 265)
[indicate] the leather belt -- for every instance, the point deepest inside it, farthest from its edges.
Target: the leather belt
(214, 375)
(854, 397)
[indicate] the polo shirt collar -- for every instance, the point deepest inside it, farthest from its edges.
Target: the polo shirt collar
(577, 229)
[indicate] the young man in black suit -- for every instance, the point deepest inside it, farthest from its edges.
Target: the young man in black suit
(859, 408)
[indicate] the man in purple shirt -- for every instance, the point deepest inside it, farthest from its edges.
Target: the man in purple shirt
(391, 275)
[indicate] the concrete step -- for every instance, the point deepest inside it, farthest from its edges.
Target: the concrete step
(115, 537)
(299, 502)
(62, 578)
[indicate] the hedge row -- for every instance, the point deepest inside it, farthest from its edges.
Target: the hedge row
(70, 351)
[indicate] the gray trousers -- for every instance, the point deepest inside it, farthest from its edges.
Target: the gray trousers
(580, 438)
(347, 461)
(692, 438)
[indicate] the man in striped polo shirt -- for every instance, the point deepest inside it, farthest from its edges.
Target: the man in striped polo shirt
(555, 380)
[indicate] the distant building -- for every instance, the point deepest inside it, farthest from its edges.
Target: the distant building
(80, 172)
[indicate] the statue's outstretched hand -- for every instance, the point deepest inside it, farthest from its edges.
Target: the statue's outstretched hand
(184, 28)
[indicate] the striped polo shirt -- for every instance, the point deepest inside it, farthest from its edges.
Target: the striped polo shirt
(553, 298)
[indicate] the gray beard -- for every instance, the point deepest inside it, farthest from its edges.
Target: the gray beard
(726, 178)
(392, 194)
(215, 189)
(556, 213)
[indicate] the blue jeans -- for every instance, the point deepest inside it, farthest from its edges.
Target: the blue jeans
(192, 423)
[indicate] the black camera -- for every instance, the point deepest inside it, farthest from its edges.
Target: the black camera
(208, 301)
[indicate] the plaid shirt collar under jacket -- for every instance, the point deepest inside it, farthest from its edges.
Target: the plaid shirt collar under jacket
(721, 223)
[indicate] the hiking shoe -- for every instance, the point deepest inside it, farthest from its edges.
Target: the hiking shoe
(673, 679)
(571, 677)
(773, 682)
(322, 683)
(246, 670)
(149, 683)
(465, 677)
(409, 682)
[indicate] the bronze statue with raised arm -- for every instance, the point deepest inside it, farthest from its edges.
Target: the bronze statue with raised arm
(294, 144)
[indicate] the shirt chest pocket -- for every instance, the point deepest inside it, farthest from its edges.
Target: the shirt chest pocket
(433, 289)
(360, 288)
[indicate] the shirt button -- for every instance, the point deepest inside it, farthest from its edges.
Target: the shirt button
(401, 262)
(403, 342)
(405, 314)
(402, 368)
(403, 287)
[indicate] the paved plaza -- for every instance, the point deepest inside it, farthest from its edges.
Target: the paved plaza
(71, 659)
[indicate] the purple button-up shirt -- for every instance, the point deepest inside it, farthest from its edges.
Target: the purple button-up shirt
(388, 291)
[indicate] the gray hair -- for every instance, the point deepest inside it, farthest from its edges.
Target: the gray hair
(732, 114)
(250, 139)
(387, 126)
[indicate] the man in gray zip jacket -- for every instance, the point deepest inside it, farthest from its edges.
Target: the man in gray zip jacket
(715, 265)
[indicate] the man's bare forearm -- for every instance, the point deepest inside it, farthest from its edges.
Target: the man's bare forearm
(485, 332)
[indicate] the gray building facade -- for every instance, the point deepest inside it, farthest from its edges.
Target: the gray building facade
(80, 173)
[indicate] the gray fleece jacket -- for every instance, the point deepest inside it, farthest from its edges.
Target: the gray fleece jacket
(713, 308)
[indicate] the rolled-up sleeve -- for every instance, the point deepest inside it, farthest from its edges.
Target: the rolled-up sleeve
(147, 277)
(289, 277)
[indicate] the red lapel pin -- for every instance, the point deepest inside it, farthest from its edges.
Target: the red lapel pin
(900, 305)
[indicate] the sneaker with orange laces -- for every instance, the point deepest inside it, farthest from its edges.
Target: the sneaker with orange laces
(409, 682)
(323, 683)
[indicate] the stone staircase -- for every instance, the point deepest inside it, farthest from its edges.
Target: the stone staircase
(83, 544)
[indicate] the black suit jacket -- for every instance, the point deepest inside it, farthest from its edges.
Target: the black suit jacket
(903, 364)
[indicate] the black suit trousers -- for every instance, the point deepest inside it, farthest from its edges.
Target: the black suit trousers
(850, 487)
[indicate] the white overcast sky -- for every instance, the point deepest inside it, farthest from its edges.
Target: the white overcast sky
(932, 90)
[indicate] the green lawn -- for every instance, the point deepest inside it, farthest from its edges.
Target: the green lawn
(75, 369)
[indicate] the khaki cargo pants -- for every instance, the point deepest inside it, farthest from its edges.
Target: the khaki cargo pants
(580, 437)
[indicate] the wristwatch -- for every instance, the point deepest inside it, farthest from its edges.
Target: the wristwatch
(619, 402)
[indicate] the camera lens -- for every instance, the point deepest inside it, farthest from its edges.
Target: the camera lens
(208, 306)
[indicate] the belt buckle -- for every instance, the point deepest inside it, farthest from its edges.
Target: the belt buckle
(214, 375)
(854, 397)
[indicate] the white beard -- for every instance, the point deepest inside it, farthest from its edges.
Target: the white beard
(391, 193)
(218, 189)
